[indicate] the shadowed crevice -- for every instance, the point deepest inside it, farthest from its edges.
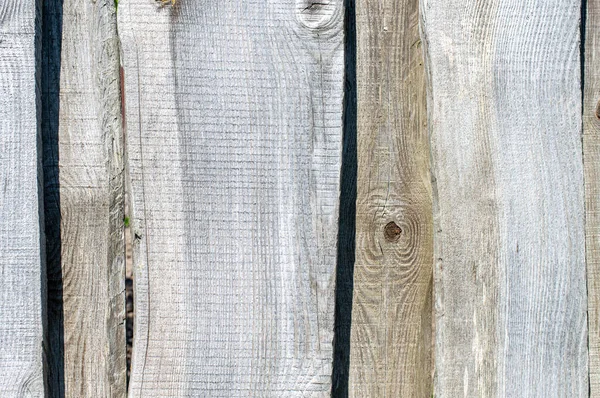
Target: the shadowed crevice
(52, 16)
(347, 216)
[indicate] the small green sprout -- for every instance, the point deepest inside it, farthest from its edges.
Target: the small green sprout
(126, 222)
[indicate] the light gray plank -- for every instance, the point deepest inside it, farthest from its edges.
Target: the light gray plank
(391, 352)
(505, 121)
(591, 156)
(234, 113)
(84, 199)
(21, 237)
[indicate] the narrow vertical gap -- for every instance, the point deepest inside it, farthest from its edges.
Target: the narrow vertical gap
(51, 29)
(128, 292)
(347, 215)
(129, 302)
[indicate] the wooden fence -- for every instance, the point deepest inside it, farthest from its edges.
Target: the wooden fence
(365, 198)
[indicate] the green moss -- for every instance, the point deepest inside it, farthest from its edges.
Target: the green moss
(126, 219)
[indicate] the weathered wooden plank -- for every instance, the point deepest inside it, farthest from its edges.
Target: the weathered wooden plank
(591, 157)
(83, 167)
(234, 114)
(391, 313)
(21, 210)
(505, 122)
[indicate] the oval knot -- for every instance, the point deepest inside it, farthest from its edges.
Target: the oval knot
(315, 14)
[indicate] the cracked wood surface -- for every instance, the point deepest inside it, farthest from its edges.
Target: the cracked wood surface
(234, 132)
(390, 354)
(83, 165)
(504, 105)
(21, 212)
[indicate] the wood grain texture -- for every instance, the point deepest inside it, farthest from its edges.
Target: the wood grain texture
(84, 196)
(234, 113)
(391, 322)
(591, 157)
(21, 212)
(504, 107)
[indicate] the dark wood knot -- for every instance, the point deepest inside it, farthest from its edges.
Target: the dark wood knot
(392, 232)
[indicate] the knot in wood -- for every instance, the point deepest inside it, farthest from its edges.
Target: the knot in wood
(392, 232)
(315, 14)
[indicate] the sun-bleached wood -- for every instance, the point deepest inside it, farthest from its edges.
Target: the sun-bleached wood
(390, 354)
(591, 161)
(21, 235)
(504, 104)
(84, 196)
(234, 132)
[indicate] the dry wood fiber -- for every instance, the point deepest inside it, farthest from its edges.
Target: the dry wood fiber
(504, 107)
(234, 132)
(83, 167)
(21, 211)
(591, 151)
(391, 321)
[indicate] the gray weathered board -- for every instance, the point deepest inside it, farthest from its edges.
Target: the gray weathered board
(21, 235)
(83, 167)
(390, 353)
(591, 156)
(234, 132)
(504, 104)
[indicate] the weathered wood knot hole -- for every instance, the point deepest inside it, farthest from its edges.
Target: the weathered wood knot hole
(315, 14)
(598, 110)
(392, 232)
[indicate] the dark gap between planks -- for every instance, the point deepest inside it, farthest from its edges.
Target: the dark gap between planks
(51, 44)
(347, 215)
(129, 319)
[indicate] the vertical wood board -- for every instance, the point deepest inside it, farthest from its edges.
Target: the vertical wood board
(234, 129)
(391, 321)
(504, 107)
(21, 236)
(84, 190)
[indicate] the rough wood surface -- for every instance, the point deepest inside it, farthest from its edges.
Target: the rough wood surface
(505, 121)
(83, 164)
(391, 322)
(233, 115)
(21, 235)
(591, 157)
